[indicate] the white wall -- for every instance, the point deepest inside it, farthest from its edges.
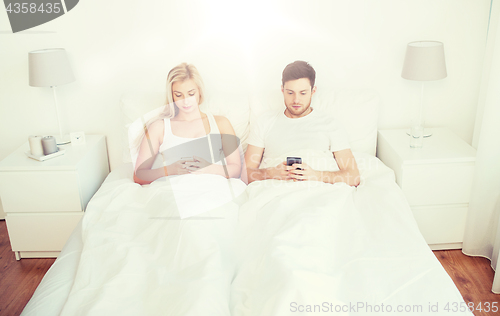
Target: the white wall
(240, 47)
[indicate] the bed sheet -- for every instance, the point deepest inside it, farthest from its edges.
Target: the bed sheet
(295, 246)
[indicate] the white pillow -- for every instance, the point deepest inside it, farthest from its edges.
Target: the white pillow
(356, 109)
(235, 107)
(133, 104)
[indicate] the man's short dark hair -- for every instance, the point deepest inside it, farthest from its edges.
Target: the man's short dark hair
(297, 70)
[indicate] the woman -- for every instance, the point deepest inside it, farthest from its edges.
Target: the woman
(183, 139)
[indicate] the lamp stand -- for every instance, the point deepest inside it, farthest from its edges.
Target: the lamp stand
(421, 111)
(60, 140)
(420, 119)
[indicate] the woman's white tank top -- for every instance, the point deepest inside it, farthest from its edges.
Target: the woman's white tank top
(174, 148)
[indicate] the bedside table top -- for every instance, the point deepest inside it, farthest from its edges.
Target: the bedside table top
(442, 146)
(18, 161)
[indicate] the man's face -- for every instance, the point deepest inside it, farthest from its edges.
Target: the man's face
(298, 94)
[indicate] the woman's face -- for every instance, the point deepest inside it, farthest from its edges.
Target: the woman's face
(186, 95)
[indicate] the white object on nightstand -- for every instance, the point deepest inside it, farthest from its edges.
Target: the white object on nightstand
(77, 138)
(44, 201)
(436, 180)
(59, 152)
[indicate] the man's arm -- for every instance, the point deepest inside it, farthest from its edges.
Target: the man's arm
(348, 172)
(253, 157)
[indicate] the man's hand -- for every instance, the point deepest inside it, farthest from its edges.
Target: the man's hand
(280, 172)
(305, 174)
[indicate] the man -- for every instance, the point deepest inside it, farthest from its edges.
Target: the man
(299, 126)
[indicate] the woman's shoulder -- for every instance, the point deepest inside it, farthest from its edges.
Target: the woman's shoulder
(223, 124)
(221, 119)
(156, 129)
(157, 125)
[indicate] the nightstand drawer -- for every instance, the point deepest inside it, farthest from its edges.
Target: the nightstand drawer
(41, 232)
(441, 225)
(437, 184)
(41, 191)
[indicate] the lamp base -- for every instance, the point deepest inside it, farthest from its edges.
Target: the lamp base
(63, 141)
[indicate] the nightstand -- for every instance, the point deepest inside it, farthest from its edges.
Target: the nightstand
(436, 179)
(44, 201)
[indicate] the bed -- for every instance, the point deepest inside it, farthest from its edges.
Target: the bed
(273, 248)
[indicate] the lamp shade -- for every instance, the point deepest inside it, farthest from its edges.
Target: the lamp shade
(424, 61)
(49, 67)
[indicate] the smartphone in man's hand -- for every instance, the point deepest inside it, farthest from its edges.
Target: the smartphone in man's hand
(291, 160)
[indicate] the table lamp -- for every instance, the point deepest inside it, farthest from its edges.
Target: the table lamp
(51, 68)
(424, 61)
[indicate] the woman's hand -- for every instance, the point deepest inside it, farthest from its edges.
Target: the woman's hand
(201, 166)
(180, 167)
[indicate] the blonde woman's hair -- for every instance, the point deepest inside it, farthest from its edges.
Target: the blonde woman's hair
(179, 73)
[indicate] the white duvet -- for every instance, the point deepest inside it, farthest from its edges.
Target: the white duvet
(314, 248)
(292, 248)
(140, 258)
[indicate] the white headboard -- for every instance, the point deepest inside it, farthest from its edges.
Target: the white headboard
(357, 110)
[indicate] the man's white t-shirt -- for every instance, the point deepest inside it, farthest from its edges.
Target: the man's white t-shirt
(280, 135)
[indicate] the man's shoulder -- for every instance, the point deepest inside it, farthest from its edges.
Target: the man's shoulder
(268, 117)
(328, 120)
(323, 116)
(322, 113)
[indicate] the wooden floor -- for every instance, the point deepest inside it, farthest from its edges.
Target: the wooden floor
(19, 279)
(473, 277)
